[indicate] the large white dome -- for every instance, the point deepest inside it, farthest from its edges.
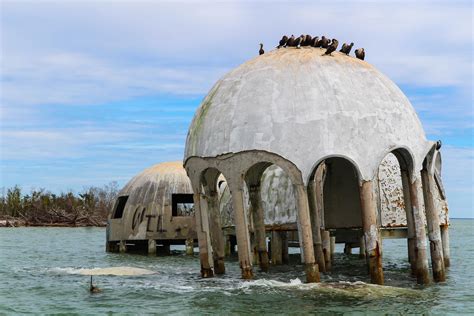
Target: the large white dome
(306, 107)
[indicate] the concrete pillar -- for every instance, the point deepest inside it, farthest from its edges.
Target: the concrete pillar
(422, 274)
(347, 248)
(122, 246)
(259, 227)
(362, 249)
(285, 255)
(411, 234)
(434, 232)
(189, 244)
(371, 232)
(333, 248)
(315, 207)
(151, 247)
(216, 234)
(445, 240)
(228, 245)
(204, 239)
(242, 232)
(326, 249)
(276, 244)
(306, 241)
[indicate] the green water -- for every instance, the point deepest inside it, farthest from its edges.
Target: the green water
(40, 274)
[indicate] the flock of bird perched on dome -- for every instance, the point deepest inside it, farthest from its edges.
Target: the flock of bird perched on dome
(307, 40)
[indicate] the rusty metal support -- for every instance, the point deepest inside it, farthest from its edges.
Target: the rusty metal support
(242, 232)
(306, 242)
(434, 233)
(371, 232)
(259, 227)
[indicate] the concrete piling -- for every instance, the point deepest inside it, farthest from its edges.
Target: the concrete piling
(259, 227)
(362, 249)
(276, 245)
(371, 232)
(333, 248)
(422, 273)
(151, 247)
(122, 246)
(411, 233)
(285, 255)
(202, 229)
(315, 208)
(243, 237)
(434, 232)
(189, 244)
(445, 241)
(216, 234)
(347, 248)
(312, 269)
(326, 249)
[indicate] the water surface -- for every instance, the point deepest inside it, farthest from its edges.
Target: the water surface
(44, 270)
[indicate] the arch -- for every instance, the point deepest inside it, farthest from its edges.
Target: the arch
(321, 160)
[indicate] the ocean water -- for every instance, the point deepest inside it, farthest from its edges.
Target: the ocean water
(46, 270)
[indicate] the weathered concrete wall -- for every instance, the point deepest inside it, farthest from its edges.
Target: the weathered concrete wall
(279, 205)
(148, 211)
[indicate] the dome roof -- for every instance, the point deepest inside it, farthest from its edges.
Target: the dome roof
(165, 178)
(306, 107)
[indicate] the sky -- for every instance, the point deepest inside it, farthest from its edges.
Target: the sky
(96, 91)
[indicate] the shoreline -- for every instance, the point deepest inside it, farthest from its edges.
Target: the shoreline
(15, 222)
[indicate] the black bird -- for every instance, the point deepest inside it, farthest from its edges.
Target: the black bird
(332, 47)
(324, 42)
(314, 41)
(291, 41)
(298, 41)
(283, 41)
(93, 288)
(261, 51)
(307, 40)
(438, 144)
(346, 49)
(319, 42)
(360, 53)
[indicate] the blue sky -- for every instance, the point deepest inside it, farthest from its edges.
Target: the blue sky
(96, 91)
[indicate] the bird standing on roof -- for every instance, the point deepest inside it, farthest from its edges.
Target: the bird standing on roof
(307, 40)
(291, 41)
(360, 53)
(324, 42)
(346, 49)
(261, 51)
(332, 47)
(298, 41)
(314, 41)
(283, 41)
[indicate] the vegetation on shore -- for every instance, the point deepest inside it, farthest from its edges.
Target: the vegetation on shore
(41, 207)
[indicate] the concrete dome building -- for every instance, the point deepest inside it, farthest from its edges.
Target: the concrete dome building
(154, 210)
(328, 122)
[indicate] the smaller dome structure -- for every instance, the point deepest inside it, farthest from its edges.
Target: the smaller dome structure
(154, 208)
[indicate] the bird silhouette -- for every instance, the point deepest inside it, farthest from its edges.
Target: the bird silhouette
(324, 42)
(315, 41)
(307, 40)
(346, 49)
(298, 41)
(261, 51)
(283, 41)
(291, 41)
(93, 288)
(332, 47)
(360, 53)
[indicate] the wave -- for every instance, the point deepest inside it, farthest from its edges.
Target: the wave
(120, 271)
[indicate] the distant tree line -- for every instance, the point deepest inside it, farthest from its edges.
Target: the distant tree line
(41, 207)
